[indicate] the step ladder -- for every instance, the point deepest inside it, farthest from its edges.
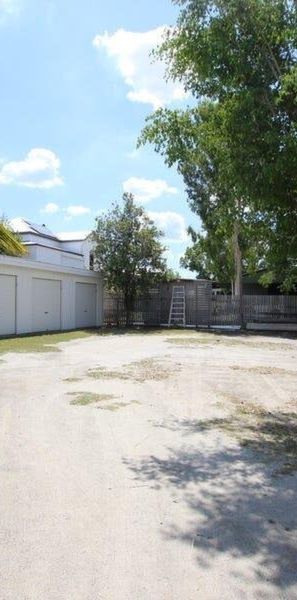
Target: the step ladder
(177, 315)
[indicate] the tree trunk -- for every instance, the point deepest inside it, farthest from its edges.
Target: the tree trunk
(232, 288)
(129, 307)
(238, 270)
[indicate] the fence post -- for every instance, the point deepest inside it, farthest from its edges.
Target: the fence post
(196, 303)
(117, 317)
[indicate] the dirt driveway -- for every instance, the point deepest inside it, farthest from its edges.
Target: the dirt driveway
(150, 466)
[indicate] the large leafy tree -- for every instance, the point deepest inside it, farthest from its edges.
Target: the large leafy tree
(128, 250)
(237, 149)
(10, 243)
(211, 257)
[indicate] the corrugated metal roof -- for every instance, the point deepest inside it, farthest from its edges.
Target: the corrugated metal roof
(21, 225)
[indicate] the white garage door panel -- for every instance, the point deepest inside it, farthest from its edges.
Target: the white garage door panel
(7, 304)
(85, 304)
(46, 304)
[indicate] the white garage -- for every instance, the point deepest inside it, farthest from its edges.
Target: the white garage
(7, 304)
(36, 297)
(85, 305)
(46, 304)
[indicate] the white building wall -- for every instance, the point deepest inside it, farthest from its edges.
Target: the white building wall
(34, 238)
(7, 304)
(26, 270)
(54, 256)
(83, 247)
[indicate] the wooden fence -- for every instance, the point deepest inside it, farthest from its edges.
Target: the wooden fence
(147, 311)
(270, 309)
(204, 310)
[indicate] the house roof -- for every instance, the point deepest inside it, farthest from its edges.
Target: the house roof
(20, 225)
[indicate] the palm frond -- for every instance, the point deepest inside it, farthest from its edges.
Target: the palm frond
(10, 244)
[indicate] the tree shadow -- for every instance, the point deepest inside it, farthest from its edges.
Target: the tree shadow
(237, 499)
(271, 434)
(214, 332)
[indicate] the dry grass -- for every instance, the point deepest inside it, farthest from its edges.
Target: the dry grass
(139, 371)
(117, 405)
(103, 373)
(262, 370)
(272, 435)
(85, 398)
(225, 341)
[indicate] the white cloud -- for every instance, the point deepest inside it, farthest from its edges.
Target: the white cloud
(39, 169)
(50, 209)
(130, 52)
(9, 7)
(134, 154)
(77, 210)
(173, 258)
(172, 223)
(67, 236)
(145, 190)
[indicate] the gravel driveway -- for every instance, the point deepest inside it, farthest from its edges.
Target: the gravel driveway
(150, 466)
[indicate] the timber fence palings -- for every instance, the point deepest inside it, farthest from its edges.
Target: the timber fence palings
(256, 309)
(225, 310)
(202, 309)
(270, 309)
(147, 311)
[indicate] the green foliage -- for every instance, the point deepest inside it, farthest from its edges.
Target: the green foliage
(10, 243)
(128, 250)
(237, 149)
(171, 275)
(211, 257)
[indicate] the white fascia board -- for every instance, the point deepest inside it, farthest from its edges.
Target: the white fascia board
(15, 261)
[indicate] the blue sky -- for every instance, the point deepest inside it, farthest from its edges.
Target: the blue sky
(76, 86)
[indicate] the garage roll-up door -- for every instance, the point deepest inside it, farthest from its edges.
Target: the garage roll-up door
(7, 304)
(46, 304)
(85, 304)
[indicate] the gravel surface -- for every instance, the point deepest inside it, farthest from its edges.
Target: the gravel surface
(172, 476)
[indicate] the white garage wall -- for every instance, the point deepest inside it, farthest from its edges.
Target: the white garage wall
(46, 304)
(85, 304)
(7, 304)
(25, 271)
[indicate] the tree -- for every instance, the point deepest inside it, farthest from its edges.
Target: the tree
(195, 141)
(239, 144)
(211, 257)
(128, 251)
(10, 243)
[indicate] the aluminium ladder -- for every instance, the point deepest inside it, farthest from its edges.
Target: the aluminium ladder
(177, 315)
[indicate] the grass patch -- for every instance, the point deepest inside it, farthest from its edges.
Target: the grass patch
(116, 406)
(113, 407)
(72, 379)
(103, 373)
(85, 398)
(272, 435)
(190, 342)
(264, 370)
(41, 343)
(139, 371)
(210, 340)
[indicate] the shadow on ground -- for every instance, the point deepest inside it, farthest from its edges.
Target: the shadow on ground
(237, 503)
(113, 330)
